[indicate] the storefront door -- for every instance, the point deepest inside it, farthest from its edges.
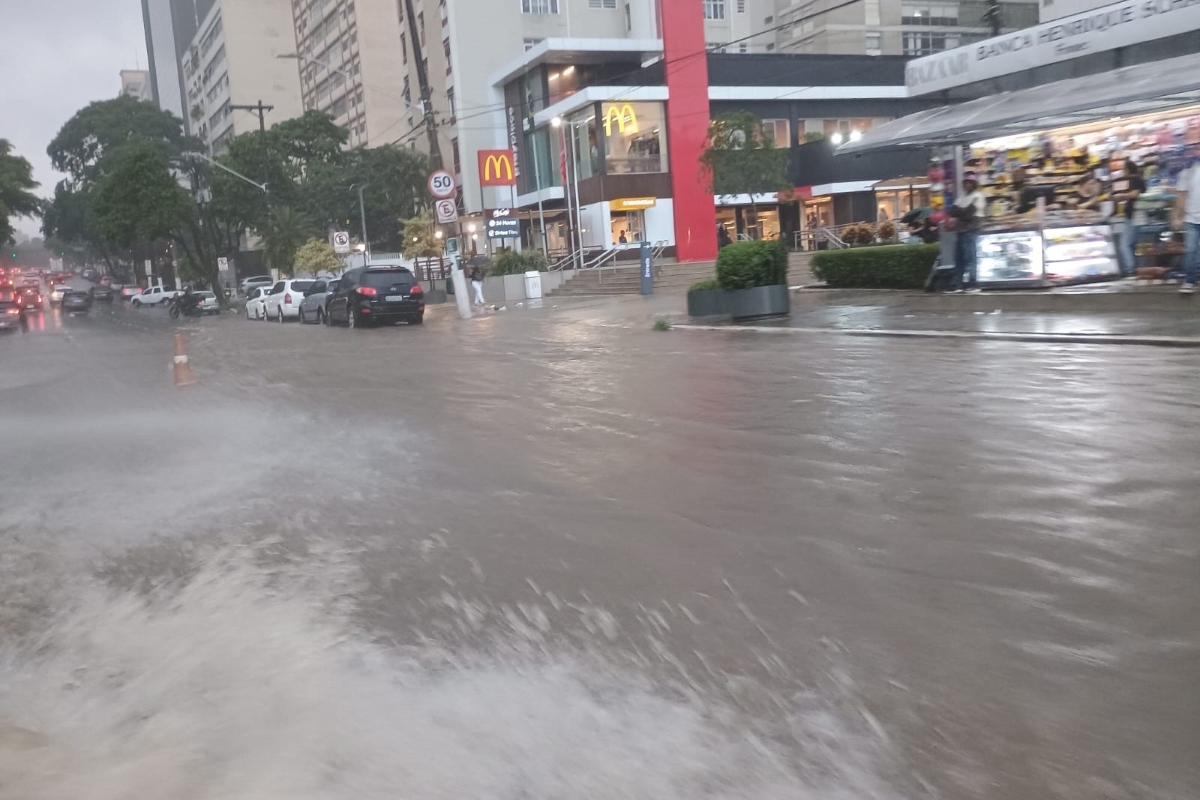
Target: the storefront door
(630, 225)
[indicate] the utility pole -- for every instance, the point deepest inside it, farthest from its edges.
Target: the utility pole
(261, 110)
(435, 149)
(362, 216)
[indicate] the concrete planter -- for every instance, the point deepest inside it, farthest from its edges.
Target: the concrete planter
(760, 301)
(708, 303)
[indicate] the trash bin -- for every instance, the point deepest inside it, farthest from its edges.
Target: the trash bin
(533, 285)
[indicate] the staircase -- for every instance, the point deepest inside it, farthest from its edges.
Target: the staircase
(669, 277)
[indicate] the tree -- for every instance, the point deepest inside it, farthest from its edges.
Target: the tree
(316, 256)
(420, 239)
(16, 190)
(742, 159)
(137, 199)
(105, 126)
(286, 231)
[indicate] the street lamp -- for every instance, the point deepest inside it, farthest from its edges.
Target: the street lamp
(557, 122)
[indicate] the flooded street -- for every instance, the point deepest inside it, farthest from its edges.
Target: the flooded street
(555, 554)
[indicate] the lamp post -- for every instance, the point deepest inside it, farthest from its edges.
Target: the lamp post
(362, 216)
(557, 123)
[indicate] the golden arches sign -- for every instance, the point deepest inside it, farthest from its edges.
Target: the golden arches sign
(623, 116)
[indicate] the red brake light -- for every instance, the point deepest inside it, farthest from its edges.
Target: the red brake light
(287, 299)
(416, 289)
(367, 291)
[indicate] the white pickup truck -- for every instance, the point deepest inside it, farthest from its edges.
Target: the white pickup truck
(153, 296)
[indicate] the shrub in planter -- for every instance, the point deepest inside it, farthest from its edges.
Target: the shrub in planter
(900, 266)
(859, 234)
(887, 231)
(509, 262)
(754, 275)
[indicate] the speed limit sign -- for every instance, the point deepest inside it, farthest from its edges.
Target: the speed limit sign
(441, 184)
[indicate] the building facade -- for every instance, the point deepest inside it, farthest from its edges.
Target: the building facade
(239, 55)
(136, 83)
(351, 65)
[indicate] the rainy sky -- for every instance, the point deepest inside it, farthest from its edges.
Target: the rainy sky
(56, 57)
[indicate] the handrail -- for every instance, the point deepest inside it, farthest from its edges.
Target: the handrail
(832, 238)
(598, 261)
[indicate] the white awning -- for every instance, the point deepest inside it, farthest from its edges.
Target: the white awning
(1140, 89)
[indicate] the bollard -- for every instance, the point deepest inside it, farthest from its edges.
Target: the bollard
(183, 370)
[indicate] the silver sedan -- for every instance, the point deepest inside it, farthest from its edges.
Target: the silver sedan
(314, 307)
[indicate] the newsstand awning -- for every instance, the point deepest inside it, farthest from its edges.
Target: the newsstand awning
(1140, 89)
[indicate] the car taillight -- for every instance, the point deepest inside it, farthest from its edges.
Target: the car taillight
(287, 299)
(13, 311)
(367, 291)
(416, 289)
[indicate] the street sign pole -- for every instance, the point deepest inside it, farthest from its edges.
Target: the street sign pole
(443, 187)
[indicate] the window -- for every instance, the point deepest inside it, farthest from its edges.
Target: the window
(874, 43)
(602, 3)
(451, 104)
(926, 43)
(446, 50)
(770, 47)
(871, 12)
(714, 9)
(421, 26)
(777, 131)
(457, 160)
(404, 47)
(628, 18)
(741, 6)
(929, 14)
(530, 44)
(634, 138)
(539, 6)
(743, 48)
(407, 91)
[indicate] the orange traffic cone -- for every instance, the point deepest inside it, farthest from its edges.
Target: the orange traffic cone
(183, 370)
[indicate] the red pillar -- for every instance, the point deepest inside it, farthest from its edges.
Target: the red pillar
(681, 23)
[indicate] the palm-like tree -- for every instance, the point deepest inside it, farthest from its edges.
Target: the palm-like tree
(16, 190)
(286, 231)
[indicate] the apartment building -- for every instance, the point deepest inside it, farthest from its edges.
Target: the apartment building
(136, 83)
(893, 27)
(169, 26)
(349, 55)
(238, 56)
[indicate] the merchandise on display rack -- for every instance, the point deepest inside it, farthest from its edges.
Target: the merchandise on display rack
(1057, 199)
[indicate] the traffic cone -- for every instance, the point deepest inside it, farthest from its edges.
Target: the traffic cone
(183, 370)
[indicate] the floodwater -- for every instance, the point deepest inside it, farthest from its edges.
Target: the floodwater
(554, 554)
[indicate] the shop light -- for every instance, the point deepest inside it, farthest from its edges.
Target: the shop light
(569, 70)
(836, 138)
(553, 76)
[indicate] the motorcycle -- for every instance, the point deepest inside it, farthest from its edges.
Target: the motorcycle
(186, 306)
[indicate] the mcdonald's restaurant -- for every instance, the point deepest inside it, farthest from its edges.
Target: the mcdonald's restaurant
(590, 132)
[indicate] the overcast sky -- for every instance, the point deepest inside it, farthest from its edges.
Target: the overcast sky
(57, 56)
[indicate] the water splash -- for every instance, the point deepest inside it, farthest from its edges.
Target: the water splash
(231, 685)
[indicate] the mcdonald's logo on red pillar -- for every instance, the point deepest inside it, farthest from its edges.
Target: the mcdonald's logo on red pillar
(496, 168)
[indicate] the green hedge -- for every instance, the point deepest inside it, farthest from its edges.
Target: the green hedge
(704, 286)
(902, 266)
(509, 262)
(744, 265)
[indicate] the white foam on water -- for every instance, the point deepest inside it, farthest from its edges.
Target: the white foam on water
(236, 684)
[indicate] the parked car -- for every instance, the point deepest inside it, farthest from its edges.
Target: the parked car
(254, 282)
(103, 294)
(153, 296)
(129, 291)
(314, 306)
(283, 302)
(31, 297)
(77, 300)
(208, 303)
(12, 311)
(375, 295)
(56, 294)
(256, 303)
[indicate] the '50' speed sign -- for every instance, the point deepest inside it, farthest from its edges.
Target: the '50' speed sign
(441, 184)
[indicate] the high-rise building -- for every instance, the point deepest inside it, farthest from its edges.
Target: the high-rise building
(351, 62)
(894, 27)
(136, 83)
(239, 56)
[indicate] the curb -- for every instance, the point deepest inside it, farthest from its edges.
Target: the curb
(1032, 338)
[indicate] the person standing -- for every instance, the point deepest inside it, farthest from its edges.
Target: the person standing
(1187, 217)
(968, 211)
(1128, 236)
(476, 276)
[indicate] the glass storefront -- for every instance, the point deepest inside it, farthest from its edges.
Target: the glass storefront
(628, 227)
(635, 138)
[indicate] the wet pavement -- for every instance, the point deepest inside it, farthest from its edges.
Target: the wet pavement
(553, 553)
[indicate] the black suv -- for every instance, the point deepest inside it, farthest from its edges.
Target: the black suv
(377, 294)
